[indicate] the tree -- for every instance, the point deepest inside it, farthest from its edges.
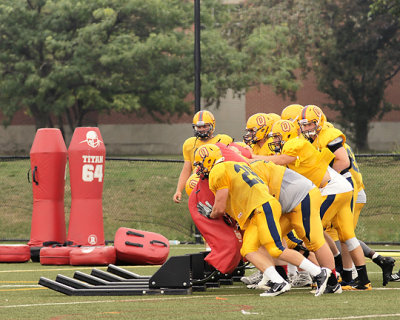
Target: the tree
(62, 59)
(353, 54)
(354, 60)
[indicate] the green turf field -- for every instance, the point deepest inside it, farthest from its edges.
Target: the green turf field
(138, 194)
(22, 298)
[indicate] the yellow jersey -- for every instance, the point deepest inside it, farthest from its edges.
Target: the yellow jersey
(271, 174)
(326, 136)
(264, 150)
(310, 162)
(246, 190)
(354, 170)
(192, 144)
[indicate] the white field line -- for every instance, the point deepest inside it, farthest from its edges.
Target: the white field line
(369, 316)
(113, 301)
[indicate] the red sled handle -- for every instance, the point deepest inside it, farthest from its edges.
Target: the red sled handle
(132, 233)
(133, 244)
(158, 241)
(128, 243)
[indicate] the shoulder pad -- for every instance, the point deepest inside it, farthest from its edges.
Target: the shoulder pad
(336, 141)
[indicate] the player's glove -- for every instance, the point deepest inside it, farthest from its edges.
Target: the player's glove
(205, 209)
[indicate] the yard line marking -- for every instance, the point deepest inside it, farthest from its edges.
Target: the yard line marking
(113, 301)
(22, 289)
(361, 317)
(19, 285)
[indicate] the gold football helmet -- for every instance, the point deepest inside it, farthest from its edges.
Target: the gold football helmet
(275, 117)
(206, 157)
(203, 124)
(292, 112)
(311, 121)
(257, 128)
(191, 183)
(281, 132)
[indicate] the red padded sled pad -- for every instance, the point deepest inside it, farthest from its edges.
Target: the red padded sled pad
(55, 255)
(224, 240)
(140, 247)
(15, 253)
(92, 256)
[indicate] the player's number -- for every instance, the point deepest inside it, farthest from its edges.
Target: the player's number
(248, 175)
(353, 159)
(91, 172)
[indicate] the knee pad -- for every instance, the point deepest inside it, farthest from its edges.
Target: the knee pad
(352, 244)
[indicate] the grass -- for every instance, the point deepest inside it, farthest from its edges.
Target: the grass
(139, 195)
(21, 298)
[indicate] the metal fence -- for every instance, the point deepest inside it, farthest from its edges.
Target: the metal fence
(138, 193)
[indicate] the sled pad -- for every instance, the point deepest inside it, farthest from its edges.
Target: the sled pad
(15, 253)
(139, 247)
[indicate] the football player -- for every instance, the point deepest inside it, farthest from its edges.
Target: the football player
(300, 200)
(300, 155)
(258, 127)
(385, 263)
(203, 127)
(240, 193)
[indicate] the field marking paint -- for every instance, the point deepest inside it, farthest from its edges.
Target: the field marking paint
(113, 301)
(373, 316)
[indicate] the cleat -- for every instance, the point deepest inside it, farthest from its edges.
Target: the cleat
(301, 279)
(337, 288)
(346, 286)
(255, 278)
(261, 286)
(395, 277)
(322, 280)
(276, 289)
(362, 287)
(386, 264)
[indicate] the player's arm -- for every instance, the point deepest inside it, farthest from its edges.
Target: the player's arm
(219, 207)
(281, 159)
(342, 160)
(185, 174)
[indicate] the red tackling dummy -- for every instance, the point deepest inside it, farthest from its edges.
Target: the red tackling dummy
(224, 240)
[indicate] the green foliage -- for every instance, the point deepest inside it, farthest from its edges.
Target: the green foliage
(353, 53)
(355, 62)
(70, 57)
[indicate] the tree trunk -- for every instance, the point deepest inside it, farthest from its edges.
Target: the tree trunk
(361, 134)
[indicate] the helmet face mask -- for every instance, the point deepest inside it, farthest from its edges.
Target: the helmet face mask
(309, 129)
(203, 131)
(281, 132)
(277, 144)
(203, 125)
(311, 121)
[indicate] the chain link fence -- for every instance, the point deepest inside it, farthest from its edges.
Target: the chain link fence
(138, 193)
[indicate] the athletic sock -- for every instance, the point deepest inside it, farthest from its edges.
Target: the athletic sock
(332, 280)
(282, 272)
(273, 275)
(362, 274)
(347, 275)
(339, 263)
(310, 267)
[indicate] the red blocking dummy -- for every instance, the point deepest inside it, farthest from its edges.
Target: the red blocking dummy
(224, 240)
(87, 155)
(48, 159)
